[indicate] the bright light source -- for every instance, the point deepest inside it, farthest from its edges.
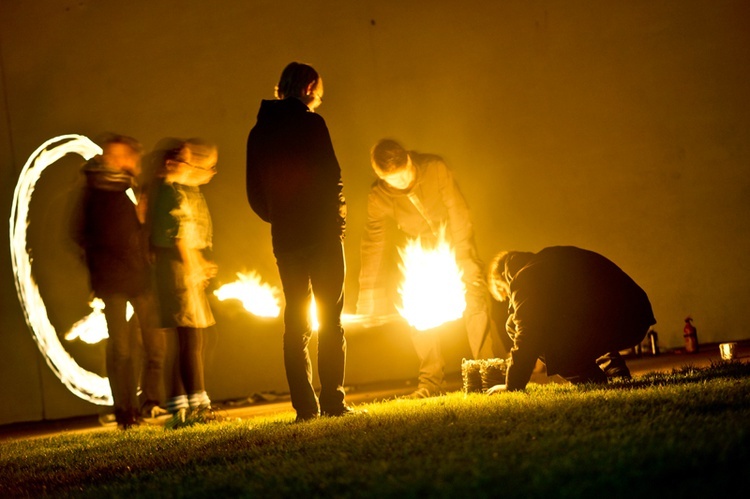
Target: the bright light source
(432, 291)
(258, 298)
(313, 314)
(93, 328)
(85, 384)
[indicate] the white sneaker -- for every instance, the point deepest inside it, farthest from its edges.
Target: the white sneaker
(157, 411)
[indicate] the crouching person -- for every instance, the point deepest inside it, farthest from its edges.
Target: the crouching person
(571, 308)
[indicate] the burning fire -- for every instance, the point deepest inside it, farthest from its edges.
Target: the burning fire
(93, 328)
(259, 298)
(432, 291)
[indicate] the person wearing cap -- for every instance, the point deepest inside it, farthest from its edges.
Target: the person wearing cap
(571, 308)
(418, 192)
(181, 238)
(294, 183)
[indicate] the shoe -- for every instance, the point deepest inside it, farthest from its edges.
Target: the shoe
(343, 411)
(107, 419)
(178, 420)
(618, 374)
(302, 418)
(203, 415)
(127, 419)
(423, 393)
(151, 410)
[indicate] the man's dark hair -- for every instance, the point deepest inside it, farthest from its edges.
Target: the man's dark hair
(389, 156)
(295, 79)
(114, 138)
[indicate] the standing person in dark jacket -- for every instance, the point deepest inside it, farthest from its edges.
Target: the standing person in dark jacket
(418, 192)
(571, 308)
(115, 248)
(294, 183)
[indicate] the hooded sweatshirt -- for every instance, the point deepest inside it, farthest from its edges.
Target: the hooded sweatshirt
(293, 176)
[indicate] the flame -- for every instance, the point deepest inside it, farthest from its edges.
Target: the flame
(432, 291)
(257, 297)
(93, 328)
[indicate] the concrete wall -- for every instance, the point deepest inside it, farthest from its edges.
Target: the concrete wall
(621, 127)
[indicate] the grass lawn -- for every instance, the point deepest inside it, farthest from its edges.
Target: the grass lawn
(682, 434)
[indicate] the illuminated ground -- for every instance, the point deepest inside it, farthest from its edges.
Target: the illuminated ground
(279, 403)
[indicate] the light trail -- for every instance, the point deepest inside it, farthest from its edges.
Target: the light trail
(83, 383)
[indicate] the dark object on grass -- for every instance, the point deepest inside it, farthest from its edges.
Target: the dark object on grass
(480, 375)
(492, 372)
(472, 377)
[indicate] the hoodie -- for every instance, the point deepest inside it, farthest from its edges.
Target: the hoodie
(293, 176)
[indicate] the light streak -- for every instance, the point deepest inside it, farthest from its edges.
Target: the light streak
(83, 383)
(257, 297)
(313, 314)
(432, 290)
(93, 328)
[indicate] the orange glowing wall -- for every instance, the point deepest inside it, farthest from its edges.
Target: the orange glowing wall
(621, 127)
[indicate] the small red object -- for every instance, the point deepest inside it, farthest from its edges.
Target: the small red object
(690, 335)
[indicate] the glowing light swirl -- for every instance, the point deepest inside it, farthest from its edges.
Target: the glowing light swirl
(85, 384)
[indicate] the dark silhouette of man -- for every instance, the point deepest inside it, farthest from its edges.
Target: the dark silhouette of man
(571, 308)
(294, 183)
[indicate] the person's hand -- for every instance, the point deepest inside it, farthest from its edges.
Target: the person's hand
(494, 390)
(201, 272)
(210, 269)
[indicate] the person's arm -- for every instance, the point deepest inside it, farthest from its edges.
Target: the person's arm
(526, 331)
(198, 270)
(254, 186)
(330, 169)
(372, 249)
(462, 230)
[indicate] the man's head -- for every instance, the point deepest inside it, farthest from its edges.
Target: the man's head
(497, 279)
(503, 269)
(302, 82)
(392, 164)
(121, 153)
(193, 163)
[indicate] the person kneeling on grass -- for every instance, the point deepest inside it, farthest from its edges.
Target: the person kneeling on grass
(571, 308)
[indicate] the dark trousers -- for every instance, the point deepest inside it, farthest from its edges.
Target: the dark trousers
(481, 330)
(609, 365)
(431, 363)
(317, 270)
(154, 346)
(124, 350)
(185, 371)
